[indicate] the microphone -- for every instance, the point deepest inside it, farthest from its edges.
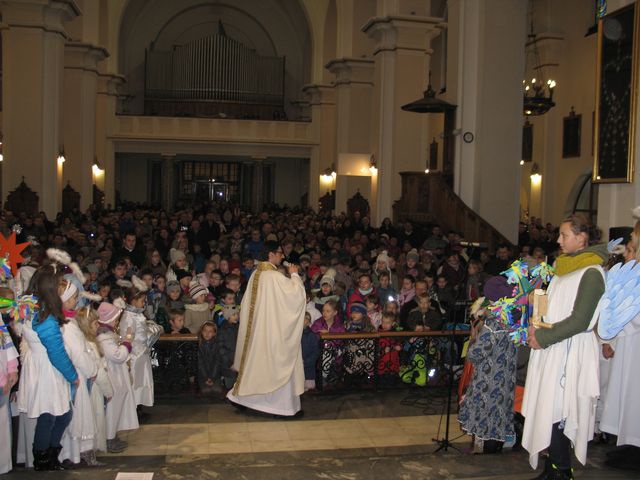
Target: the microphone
(473, 244)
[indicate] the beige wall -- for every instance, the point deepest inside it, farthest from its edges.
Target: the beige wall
(575, 55)
(356, 103)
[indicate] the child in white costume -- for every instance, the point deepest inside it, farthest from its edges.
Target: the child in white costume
(80, 434)
(121, 410)
(8, 378)
(101, 390)
(47, 375)
(133, 318)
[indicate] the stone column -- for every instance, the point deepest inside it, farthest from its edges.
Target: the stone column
(257, 184)
(354, 87)
(323, 154)
(401, 55)
(33, 39)
(486, 55)
(108, 85)
(168, 181)
(79, 119)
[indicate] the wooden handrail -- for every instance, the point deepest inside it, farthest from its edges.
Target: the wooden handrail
(185, 337)
(432, 333)
(178, 337)
(427, 198)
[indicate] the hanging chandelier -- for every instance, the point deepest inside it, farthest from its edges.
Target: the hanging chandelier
(538, 88)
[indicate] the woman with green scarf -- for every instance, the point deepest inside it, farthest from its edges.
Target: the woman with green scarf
(562, 388)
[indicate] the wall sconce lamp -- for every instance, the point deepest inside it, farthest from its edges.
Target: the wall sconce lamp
(61, 157)
(536, 177)
(329, 173)
(96, 169)
(373, 168)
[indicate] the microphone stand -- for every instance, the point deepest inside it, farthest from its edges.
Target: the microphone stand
(444, 443)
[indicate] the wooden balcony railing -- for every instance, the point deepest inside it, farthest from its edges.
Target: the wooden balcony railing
(428, 199)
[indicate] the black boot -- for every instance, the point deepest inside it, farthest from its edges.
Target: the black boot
(546, 470)
(551, 472)
(40, 460)
(54, 463)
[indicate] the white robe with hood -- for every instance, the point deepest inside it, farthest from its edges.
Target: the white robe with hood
(562, 379)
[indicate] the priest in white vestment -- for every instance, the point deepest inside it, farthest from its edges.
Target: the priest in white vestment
(268, 355)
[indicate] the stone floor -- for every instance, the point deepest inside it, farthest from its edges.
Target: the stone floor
(384, 435)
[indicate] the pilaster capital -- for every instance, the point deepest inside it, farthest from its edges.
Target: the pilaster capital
(109, 83)
(352, 70)
(47, 15)
(319, 94)
(402, 32)
(83, 56)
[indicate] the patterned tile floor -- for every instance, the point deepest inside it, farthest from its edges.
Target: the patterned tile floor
(384, 435)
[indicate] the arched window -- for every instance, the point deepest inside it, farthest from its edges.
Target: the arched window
(587, 199)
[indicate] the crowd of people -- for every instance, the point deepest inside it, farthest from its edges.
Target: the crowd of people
(109, 283)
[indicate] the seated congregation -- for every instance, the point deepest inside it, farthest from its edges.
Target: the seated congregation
(119, 291)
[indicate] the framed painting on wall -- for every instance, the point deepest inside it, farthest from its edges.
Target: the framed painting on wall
(571, 129)
(616, 84)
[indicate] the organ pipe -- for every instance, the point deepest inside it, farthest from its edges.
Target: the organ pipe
(215, 68)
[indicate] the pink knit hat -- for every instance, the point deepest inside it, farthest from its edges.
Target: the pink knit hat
(108, 313)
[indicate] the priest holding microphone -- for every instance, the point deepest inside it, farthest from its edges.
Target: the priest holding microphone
(268, 355)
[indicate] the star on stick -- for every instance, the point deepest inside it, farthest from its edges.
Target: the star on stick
(12, 251)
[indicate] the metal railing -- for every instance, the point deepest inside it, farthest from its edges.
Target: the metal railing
(387, 360)
(346, 361)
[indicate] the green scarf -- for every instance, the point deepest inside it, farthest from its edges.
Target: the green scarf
(588, 257)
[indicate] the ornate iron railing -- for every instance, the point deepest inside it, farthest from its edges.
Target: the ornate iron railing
(346, 361)
(175, 364)
(387, 360)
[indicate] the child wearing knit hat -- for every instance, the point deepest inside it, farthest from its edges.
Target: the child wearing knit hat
(121, 409)
(197, 313)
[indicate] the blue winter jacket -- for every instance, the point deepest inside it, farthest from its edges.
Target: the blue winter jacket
(50, 335)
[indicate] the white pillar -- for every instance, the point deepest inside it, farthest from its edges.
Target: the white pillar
(484, 78)
(79, 119)
(33, 39)
(401, 56)
(105, 120)
(323, 119)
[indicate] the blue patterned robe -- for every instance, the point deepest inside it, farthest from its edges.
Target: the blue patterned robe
(487, 408)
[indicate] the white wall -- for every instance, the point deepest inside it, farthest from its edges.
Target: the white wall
(575, 75)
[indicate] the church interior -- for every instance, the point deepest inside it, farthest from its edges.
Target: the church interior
(130, 100)
(480, 114)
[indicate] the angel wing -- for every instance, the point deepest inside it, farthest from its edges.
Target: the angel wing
(92, 297)
(59, 256)
(139, 284)
(614, 245)
(621, 300)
